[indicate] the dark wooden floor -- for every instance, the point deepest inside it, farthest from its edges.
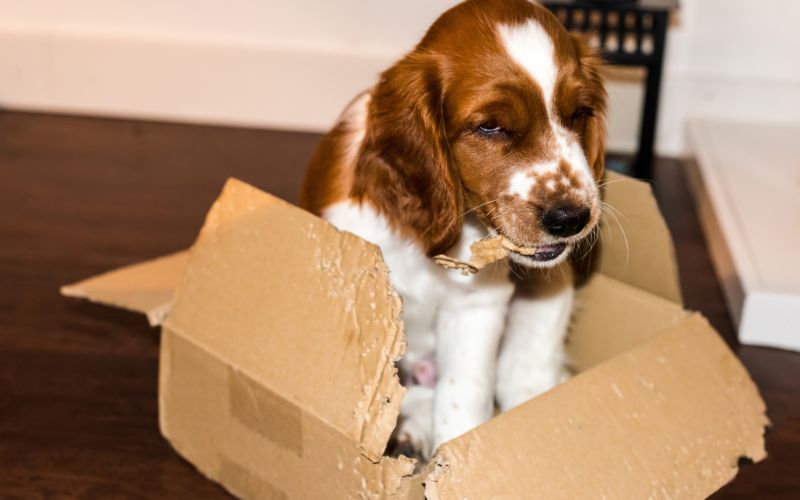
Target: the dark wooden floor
(78, 414)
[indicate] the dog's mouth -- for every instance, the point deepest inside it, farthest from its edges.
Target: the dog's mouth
(545, 253)
(540, 256)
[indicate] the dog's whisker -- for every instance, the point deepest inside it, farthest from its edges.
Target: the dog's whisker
(584, 247)
(477, 207)
(515, 273)
(611, 208)
(608, 182)
(612, 212)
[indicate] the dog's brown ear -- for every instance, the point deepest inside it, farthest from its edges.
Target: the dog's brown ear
(594, 136)
(404, 165)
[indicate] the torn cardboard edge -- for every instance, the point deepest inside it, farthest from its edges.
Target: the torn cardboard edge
(282, 245)
(628, 427)
(249, 248)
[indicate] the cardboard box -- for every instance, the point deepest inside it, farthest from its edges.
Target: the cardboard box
(277, 374)
(746, 185)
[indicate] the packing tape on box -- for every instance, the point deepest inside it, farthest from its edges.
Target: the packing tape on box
(265, 412)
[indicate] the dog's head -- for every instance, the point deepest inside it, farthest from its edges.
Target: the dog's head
(498, 112)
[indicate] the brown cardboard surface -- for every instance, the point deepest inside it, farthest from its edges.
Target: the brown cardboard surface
(624, 316)
(636, 245)
(304, 310)
(147, 287)
(667, 419)
(277, 373)
(255, 442)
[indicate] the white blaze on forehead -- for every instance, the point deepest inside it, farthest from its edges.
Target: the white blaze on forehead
(532, 48)
(576, 159)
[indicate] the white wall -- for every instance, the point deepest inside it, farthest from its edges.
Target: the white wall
(732, 59)
(288, 63)
(356, 25)
(294, 63)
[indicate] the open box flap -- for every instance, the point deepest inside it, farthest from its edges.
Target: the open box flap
(299, 307)
(636, 244)
(668, 419)
(600, 304)
(147, 287)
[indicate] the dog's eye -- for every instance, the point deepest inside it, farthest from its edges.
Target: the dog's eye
(490, 128)
(581, 113)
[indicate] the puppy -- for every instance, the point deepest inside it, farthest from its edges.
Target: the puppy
(493, 124)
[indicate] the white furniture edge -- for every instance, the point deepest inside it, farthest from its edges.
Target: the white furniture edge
(762, 317)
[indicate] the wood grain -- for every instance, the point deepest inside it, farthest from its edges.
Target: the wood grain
(79, 195)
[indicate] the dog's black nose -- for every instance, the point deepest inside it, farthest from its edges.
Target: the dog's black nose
(565, 221)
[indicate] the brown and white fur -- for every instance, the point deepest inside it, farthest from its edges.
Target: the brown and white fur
(493, 124)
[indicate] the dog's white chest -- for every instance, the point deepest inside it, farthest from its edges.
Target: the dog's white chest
(423, 285)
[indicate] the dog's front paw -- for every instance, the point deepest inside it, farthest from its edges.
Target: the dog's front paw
(413, 444)
(414, 433)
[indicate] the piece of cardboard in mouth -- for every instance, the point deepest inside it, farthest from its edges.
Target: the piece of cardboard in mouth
(277, 374)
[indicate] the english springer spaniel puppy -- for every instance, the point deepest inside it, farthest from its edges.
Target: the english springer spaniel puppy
(493, 125)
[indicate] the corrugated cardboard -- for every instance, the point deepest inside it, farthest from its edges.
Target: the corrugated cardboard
(278, 381)
(667, 419)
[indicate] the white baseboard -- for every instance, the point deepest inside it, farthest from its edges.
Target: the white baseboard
(207, 81)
